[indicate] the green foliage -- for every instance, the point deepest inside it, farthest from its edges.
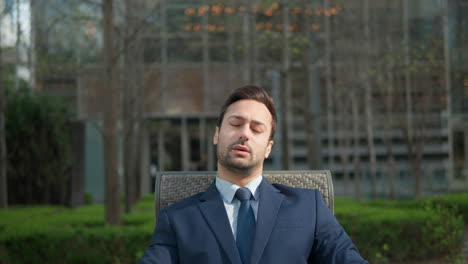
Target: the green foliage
(52, 234)
(88, 198)
(458, 202)
(388, 231)
(39, 148)
(383, 231)
(375, 228)
(443, 231)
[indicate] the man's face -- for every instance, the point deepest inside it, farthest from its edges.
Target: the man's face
(243, 140)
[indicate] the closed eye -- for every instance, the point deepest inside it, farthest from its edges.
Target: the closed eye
(257, 130)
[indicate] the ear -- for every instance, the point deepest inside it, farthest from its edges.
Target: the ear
(268, 148)
(216, 135)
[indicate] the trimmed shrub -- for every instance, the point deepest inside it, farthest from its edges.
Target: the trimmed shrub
(48, 234)
(458, 202)
(388, 231)
(443, 231)
(383, 231)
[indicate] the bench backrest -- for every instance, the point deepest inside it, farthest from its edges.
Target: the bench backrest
(172, 186)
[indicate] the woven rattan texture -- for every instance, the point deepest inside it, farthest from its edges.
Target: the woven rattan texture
(175, 187)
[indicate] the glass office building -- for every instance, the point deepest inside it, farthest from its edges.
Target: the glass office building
(374, 88)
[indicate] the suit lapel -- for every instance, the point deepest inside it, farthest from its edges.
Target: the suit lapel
(212, 208)
(268, 207)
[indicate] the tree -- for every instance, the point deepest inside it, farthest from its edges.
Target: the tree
(355, 131)
(286, 90)
(311, 103)
(368, 101)
(39, 147)
(388, 126)
(130, 103)
(3, 147)
(386, 81)
(345, 86)
(349, 104)
(3, 155)
(133, 100)
(126, 57)
(135, 77)
(111, 176)
(329, 86)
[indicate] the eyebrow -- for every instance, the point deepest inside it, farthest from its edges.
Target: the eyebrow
(256, 122)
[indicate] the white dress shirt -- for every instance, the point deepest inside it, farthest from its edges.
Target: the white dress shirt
(232, 205)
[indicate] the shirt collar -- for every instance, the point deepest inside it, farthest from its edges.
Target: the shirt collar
(228, 189)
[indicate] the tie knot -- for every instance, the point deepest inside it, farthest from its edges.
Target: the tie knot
(243, 194)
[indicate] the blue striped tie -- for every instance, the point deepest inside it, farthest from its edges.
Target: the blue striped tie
(245, 225)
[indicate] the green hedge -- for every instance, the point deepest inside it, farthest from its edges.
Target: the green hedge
(384, 231)
(456, 201)
(50, 234)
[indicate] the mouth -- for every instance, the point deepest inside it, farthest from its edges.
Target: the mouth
(242, 149)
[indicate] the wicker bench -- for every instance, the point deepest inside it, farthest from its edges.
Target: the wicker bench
(172, 186)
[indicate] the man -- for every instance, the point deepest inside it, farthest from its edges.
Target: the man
(242, 218)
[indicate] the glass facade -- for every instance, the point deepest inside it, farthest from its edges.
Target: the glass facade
(370, 80)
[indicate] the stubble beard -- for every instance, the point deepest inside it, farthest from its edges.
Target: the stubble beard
(240, 167)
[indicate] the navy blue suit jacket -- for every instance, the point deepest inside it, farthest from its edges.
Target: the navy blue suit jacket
(293, 226)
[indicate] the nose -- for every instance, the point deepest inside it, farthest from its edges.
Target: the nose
(245, 134)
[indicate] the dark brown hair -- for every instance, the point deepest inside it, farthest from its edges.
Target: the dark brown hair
(250, 92)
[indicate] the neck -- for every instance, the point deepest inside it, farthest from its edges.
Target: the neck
(239, 177)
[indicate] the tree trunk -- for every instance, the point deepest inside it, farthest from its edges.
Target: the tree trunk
(230, 47)
(408, 93)
(256, 79)
(17, 44)
(286, 91)
(356, 101)
(131, 62)
(416, 158)
(163, 93)
(420, 138)
(448, 86)
(417, 172)
(138, 169)
(3, 153)
(111, 179)
(247, 69)
(130, 164)
(310, 118)
(329, 87)
(343, 139)
(388, 140)
(368, 102)
(206, 61)
(389, 124)
(356, 157)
